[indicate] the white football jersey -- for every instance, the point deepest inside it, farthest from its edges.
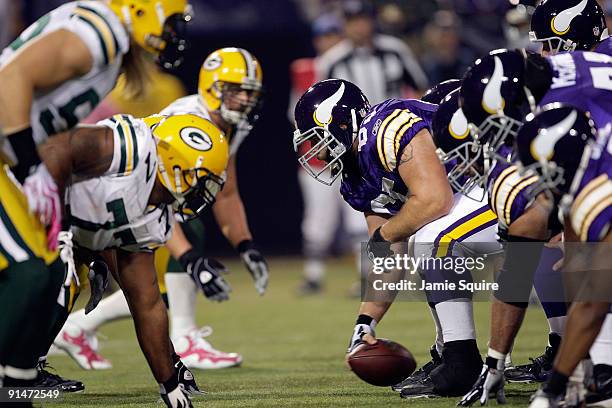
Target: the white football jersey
(111, 211)
(60, 108)
(192, 104)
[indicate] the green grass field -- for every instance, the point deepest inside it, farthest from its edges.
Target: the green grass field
(293, 349)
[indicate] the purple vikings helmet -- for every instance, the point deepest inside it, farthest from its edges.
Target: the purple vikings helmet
(495, 96)
(327, 119)
(436, 93)
(458, 152)
(552, 144)
(568, 25)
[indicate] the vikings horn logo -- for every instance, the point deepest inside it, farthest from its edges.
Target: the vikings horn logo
(323, 114)
(542, 147)
(560, 24)
(458, 126)
(492, 101)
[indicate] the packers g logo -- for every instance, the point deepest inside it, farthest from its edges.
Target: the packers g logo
(213, 62)
(196, 138)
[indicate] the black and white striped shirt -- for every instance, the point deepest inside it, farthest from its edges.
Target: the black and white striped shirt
(381, 71)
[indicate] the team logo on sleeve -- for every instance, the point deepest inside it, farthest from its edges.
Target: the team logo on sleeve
(196, 138)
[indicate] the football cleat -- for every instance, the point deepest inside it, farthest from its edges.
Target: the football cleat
(49, 380)
(424, 388)
(540, 367)
(420, 374)
(82, 347)
(602, 396)
(196, 352)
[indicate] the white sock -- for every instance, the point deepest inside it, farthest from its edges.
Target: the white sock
(182, 293)
(456, 319)
(439, 339)
(557, 325)
(601, 350)
(314, 270)
(112, 307)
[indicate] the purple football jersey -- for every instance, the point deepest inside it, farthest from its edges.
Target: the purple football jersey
(584, 80)
(508, 191)
(605, 47)
(590, 210)
(385, 132)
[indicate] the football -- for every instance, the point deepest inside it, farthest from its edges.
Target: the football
(383, 364)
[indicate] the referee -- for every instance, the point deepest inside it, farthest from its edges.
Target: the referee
(382, 66)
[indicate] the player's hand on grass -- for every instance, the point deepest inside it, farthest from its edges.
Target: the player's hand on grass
(185, 377)
(256, 265)
(489, 384)
(175, 398)
(206, 273)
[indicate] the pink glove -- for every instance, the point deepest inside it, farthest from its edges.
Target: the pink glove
(44, 201)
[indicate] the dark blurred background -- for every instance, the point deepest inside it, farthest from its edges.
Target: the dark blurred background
(444, 35)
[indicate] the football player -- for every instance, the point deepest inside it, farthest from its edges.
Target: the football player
(160, 166)
(507, 86)
(381, 154)
(229, 91)
(559, 144)
(90, 43)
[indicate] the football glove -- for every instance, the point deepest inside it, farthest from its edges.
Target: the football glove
(44, 202)
(98, 281)
(378, 247)
(256, 265)
(489, 384)
(173, 394)
(206, 273)
(359, 331)
(185, 377)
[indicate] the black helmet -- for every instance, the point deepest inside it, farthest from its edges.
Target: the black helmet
(568, 25)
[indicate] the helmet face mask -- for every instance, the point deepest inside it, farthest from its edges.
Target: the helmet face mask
(550, 179)
(464, 169)
(553, 45)
(320, 140)
(158, 26)
(494, 132)
(239, 102)
(173, 41)
(200, 196)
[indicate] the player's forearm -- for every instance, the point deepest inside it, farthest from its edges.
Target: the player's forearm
(231, 217)
(414, 214)
(178, 243)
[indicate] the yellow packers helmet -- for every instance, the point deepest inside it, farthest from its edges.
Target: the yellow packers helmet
(230, 82)
(157, 25)
(192, 156)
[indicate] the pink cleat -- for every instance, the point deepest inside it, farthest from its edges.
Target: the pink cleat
(82, 347)
(195, 352)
